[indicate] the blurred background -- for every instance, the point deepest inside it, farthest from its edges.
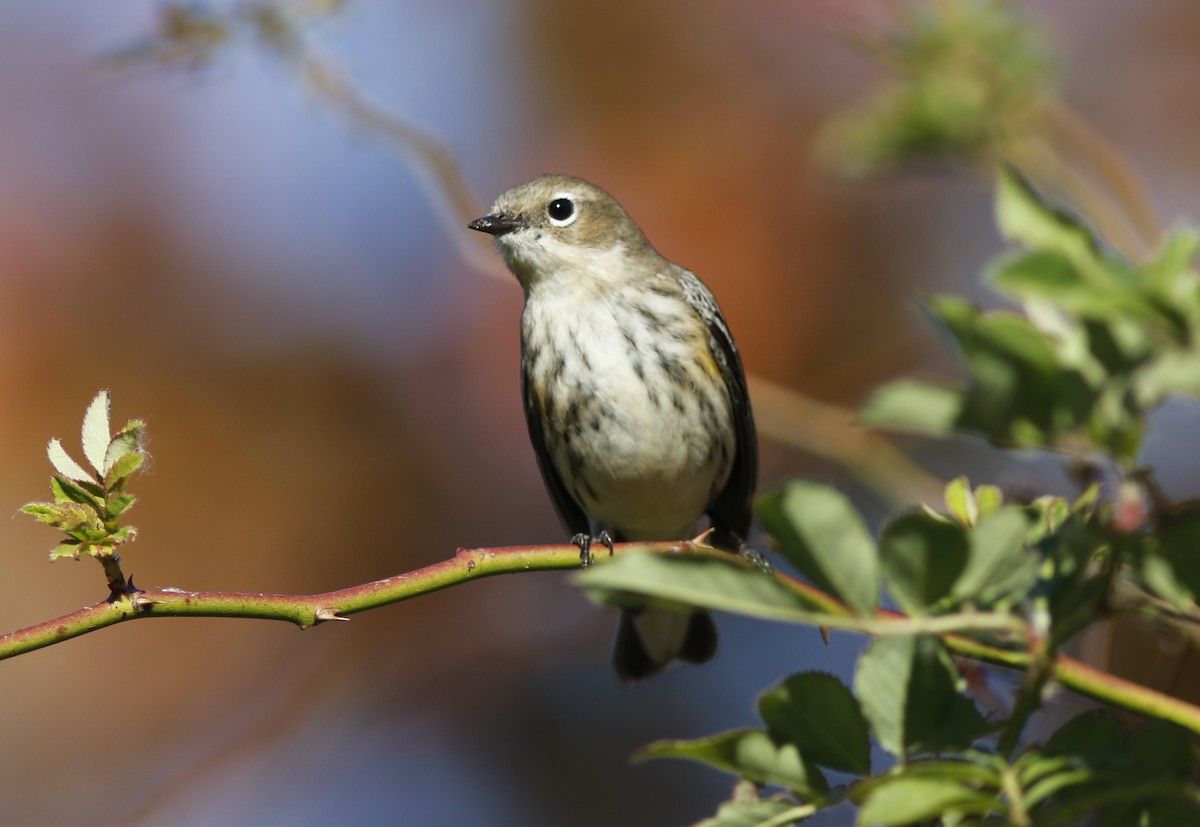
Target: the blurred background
(329, 367)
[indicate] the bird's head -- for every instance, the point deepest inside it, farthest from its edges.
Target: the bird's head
(555, 226)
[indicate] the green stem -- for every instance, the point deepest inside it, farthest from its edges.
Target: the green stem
(1073, 674)
(790, 816)
(1018, 812)
(1029, 700)
(303, 610)
(892, 625)
(1088, 681)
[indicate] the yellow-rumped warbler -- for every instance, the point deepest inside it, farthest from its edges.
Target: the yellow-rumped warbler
(634, 393)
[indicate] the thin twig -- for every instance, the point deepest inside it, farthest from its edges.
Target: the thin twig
(303, 610)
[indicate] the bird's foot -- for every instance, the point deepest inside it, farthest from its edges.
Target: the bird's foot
(584, 541)
(756, 557)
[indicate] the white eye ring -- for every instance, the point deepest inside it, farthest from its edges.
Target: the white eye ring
(561, 210)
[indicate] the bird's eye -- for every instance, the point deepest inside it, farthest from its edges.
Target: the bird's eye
(561, 211)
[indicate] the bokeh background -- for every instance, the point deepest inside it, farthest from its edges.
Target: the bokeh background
(328, 366)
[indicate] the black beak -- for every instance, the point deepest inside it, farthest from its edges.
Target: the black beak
(494, 224)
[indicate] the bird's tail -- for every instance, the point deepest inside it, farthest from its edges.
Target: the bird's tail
(649, 638)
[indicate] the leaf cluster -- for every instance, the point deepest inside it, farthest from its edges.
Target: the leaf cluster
(1101, 342)
(968, 77)
(1086, 766)
(88, 505)
(1021, 577)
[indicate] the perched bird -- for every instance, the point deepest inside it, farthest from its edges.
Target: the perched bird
(634, 393)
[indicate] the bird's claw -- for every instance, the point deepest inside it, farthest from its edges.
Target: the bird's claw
(584, 541)
(756, 557)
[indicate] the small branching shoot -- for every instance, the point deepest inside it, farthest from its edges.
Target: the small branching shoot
(88, 505)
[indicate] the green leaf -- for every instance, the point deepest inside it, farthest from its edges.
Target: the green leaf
(124, 534)
(95, 433)
(1003, 334)
(1043, 778)
(960, 501)
(1160, 574)
(881, 680)
(749, 753)
(69, 548)
(914, 405)
(1019, 393)
(1090, 767)
(824, 537)
(127, 442)
(1172, 566)
(1072, 342)
(997, 553)
(912, 800)
(65, 516)
(91, 549)
(819, 715)
(764, 813)
(691, 580)
(908, 687)
(1050, 276)
(1173, 261)
(1095, 732)
(1170, 372)
(967, 76)
(65, 490)
(120, 469)
(48, 513)
(1049, 516)
(118, 504)
(1174, 280)
(975, 768)
(1162, 749)
(1025, 219)
(1120, 344)
(990, 499)
(63, 463)
(1086, 502)
(922, 557)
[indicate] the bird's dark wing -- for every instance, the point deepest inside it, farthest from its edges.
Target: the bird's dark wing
(569, 511)
(731, 510)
